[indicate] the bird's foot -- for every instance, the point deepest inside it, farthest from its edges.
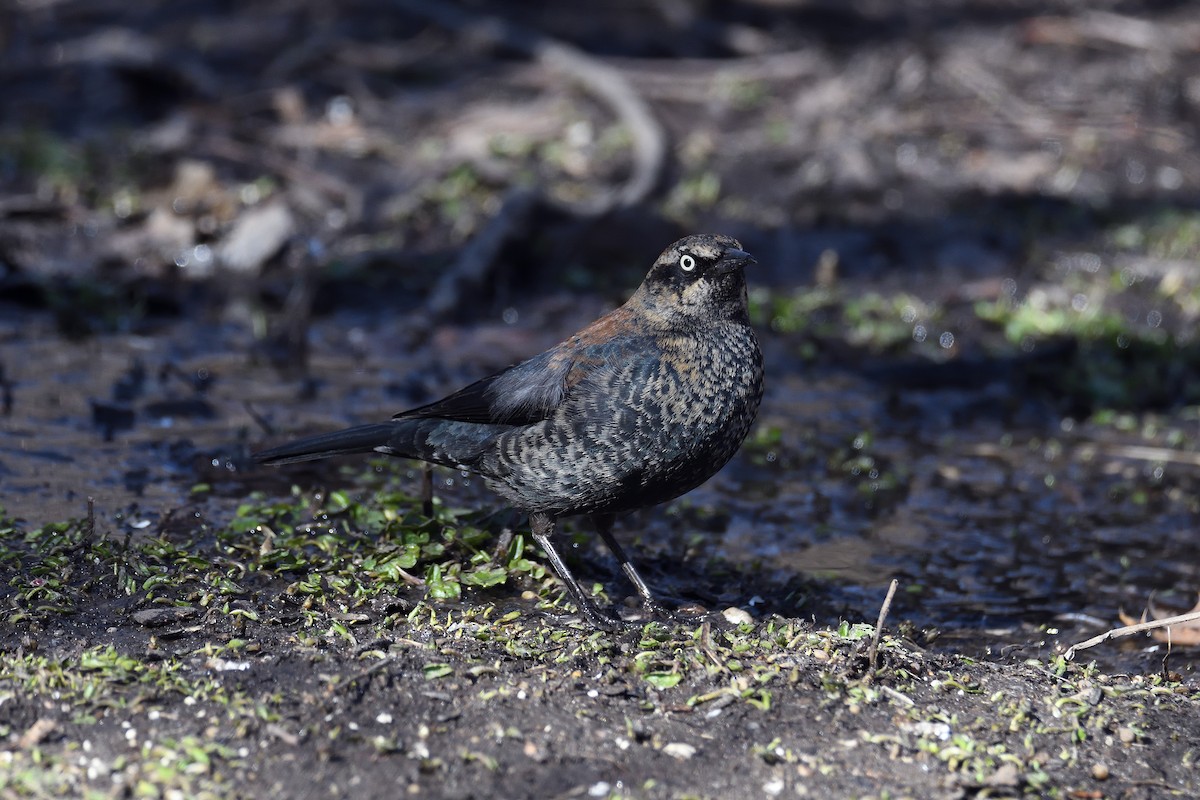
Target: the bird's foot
(601, 619)
(597, 618)
(656, 610)
(653, 610)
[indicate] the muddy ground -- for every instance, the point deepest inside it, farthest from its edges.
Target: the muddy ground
(978, 234)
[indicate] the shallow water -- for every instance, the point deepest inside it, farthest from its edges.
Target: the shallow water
(1011, 530)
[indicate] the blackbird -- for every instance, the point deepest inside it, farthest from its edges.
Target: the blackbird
(639, 407)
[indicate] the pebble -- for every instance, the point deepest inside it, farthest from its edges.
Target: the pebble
(679, 750)
(1006, 776)
(737, 616)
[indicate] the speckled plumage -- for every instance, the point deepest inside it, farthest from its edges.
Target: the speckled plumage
(641, 406)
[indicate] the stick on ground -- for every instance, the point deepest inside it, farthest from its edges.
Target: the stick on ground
(1130, 630)
(873, 653)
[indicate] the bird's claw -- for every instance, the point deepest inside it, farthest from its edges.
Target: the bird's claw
(596, 617)
(654, 611)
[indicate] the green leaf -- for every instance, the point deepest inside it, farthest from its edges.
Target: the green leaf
(485, 577)
(664, 680)
(441, 587)
(434, 671)
(339, 501)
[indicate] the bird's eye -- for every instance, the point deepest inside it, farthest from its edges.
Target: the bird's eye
(687, 263)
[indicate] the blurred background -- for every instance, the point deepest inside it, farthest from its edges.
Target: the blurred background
(977, 227)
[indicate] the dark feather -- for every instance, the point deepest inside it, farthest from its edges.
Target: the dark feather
(362, 439)
(535, 384)
(528, 392)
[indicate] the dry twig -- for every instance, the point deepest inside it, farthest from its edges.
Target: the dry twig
(1130, 630)
(873, 653)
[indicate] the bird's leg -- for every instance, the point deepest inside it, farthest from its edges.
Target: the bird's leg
(542, 528)
(604, 524)
(427, 489)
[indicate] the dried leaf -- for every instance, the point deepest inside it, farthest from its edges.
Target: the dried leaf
(1183, 634)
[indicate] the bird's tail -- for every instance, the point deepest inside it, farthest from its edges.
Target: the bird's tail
(361, 439)
(442, 441)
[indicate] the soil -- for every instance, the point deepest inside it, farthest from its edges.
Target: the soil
(978, 232)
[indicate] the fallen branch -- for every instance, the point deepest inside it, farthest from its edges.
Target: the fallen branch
(606, 83)
(1135, 452)
(474, 262)
(1130, 630)
(1104, 27)
(1149, 453)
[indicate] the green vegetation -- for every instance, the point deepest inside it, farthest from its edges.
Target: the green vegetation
(331, 553)
(58, 165)
(1168, 233)
(878, 323)
(1111, 332)
(326, 583)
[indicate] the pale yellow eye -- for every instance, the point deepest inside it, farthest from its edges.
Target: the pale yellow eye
(687, 263)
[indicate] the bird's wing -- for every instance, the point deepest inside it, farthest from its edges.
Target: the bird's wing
(518, 395)
(528, 392)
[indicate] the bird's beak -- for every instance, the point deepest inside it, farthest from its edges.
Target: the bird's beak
(735, 259)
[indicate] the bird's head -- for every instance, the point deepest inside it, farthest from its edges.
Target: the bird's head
(699, 277)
